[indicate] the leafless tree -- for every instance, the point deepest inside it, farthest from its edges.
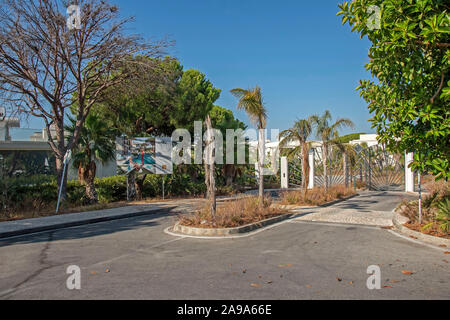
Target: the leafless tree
(48, 66)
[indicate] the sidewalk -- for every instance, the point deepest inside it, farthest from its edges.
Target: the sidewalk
(27, 226)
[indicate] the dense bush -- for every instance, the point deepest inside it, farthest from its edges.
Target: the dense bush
(37, 193)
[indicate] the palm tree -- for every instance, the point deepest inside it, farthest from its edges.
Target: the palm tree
(96, 143)
(300, 132)
(329, 135)
(252, 103)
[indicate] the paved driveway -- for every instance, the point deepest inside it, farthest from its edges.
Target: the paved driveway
(294, 260)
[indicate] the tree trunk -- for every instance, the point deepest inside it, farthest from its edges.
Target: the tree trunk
(261, 155)
(229, 172)
(345, 168)
(325, 166)
(209, 168)
(139, 186)
(89, 178)
(305, 162)
(60, 154)
(60, 178)
(131, 186)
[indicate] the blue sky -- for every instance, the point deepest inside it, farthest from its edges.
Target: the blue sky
(297, 51)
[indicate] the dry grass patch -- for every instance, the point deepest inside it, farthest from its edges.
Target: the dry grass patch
(316, 196)
(233, 213)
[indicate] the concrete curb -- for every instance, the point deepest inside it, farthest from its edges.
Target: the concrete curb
(399, 227)
(325, 205)
(32, 230)
(226, 232)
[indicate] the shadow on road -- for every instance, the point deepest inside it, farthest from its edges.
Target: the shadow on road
(92, 230)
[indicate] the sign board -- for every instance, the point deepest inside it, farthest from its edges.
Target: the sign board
(2, 113)
(144, 155)
(163, 160)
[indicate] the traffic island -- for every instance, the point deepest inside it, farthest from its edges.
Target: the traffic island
(179, 229)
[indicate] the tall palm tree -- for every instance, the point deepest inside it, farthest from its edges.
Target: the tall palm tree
(300, 133)
(329, 135)
(251, 102)
(96, 143)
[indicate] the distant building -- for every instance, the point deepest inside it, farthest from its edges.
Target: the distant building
(35, 141)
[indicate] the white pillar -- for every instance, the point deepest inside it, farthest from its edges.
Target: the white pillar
(284, 173)
(409, 174)
(311, 170)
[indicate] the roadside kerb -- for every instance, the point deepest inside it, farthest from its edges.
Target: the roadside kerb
(399, 227)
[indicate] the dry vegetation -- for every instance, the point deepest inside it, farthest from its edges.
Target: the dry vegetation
(315, 197)
(233, 213)
(435, 210)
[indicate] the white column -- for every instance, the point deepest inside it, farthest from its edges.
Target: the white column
(409, 174)
(284, 173)
(311, 170)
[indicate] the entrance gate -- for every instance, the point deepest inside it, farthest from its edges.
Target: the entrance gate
(374, 168)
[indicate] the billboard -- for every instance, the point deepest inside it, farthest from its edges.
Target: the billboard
(144, 155)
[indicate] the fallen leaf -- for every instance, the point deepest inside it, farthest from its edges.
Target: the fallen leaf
(309, 286)
(407, 272)
(285, 265)
(339, 279)
(387, 286)
(351, 282)
(269, 282)
(447, 252)
(244, 271)
(442, 246)
(107, 271)
(255, 285)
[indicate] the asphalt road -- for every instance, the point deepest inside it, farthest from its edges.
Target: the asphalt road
(295, 260)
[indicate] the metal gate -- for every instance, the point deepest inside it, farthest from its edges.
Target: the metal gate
(378, 169)
(374, 168)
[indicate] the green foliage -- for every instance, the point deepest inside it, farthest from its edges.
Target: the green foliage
(443, 215)
(96, 142)
(223, 119)
(252, 103)
(169, 99)
(350, 137)
(410, 57)
(196, 97)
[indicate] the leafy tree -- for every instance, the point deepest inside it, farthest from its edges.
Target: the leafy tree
(146, 109)
(251, 102)
(223, 119)
(171, 98)
(96, 143)
(196, 97)
(299, 133)
(329, 135)
(410, 58)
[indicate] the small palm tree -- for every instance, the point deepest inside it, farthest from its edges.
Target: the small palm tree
(329, 135)
(252, 103)
(300, 133)
(96, 143)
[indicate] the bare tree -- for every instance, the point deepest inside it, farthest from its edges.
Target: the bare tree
(209, 167)
(50, 64)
